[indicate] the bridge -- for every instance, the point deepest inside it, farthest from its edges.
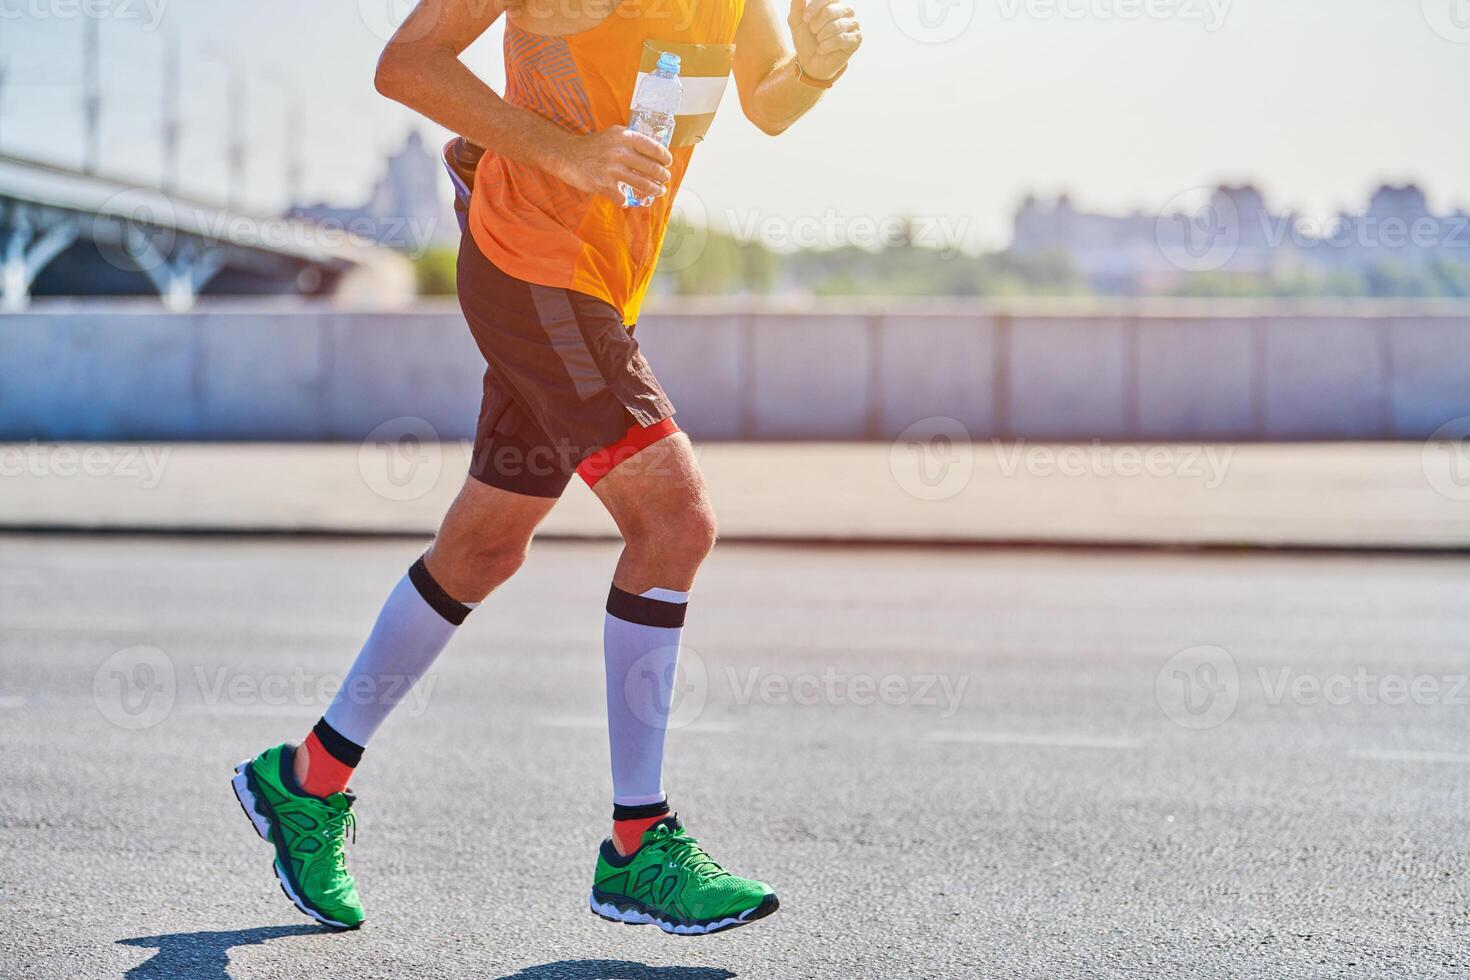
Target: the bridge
(66, 233)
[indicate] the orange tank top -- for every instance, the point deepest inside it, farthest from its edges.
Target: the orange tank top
(541, 229)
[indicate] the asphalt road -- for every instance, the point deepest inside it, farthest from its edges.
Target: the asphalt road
(949, 763)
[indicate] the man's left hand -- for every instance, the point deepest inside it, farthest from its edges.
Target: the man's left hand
(825, 33)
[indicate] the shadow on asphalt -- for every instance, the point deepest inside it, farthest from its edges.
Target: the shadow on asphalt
(203, 955)
(616, 970)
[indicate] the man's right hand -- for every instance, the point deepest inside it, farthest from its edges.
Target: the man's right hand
(596, 163)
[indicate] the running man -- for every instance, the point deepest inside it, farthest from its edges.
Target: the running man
(552, 271)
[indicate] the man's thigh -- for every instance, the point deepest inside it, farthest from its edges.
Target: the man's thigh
(661, 485)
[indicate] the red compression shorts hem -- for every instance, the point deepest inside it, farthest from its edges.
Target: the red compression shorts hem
(634, 441)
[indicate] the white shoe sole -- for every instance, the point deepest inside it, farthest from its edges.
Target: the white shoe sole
(637, 917)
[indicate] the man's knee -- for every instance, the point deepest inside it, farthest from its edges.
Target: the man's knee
(499, 560)
(684, 535)
(471, 568)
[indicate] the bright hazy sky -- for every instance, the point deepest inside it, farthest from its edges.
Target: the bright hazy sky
(952, 111)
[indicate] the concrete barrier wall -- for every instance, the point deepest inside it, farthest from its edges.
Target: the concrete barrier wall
(1141, 371)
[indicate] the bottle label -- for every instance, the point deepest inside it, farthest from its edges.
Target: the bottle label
(704, 72)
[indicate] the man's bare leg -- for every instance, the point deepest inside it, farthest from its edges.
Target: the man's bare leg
(659, 501)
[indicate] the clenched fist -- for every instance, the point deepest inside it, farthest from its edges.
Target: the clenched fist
(825, 33)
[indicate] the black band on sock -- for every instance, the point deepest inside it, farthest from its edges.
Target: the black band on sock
(645, 611)
(338, 746)
(440, 601)
(642, 812)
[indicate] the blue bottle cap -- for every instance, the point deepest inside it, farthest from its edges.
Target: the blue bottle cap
(668, 62)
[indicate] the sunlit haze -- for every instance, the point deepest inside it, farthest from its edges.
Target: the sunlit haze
(952, 112)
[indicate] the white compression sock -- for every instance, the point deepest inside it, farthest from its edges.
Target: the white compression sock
(640, 653)
(415, 625)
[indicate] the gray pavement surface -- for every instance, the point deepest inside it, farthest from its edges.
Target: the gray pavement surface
(949, 763)
(935, 487)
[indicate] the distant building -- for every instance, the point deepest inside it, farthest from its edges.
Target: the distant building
(1232, 233)
(1235, 233)
(1398, 229)
(1112, 252)
(408, 208)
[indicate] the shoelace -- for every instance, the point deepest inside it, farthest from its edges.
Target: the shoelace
(336, 830)
(678, 845)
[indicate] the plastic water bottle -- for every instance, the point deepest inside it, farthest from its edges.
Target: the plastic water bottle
(654, 106)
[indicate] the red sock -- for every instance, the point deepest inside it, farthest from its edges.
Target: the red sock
(628, 834)
(325, 773)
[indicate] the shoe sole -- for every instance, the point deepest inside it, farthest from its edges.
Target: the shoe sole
(261, 818)
(634, 913)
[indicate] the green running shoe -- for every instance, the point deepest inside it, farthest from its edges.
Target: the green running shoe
(308, 834)
(671, 882)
